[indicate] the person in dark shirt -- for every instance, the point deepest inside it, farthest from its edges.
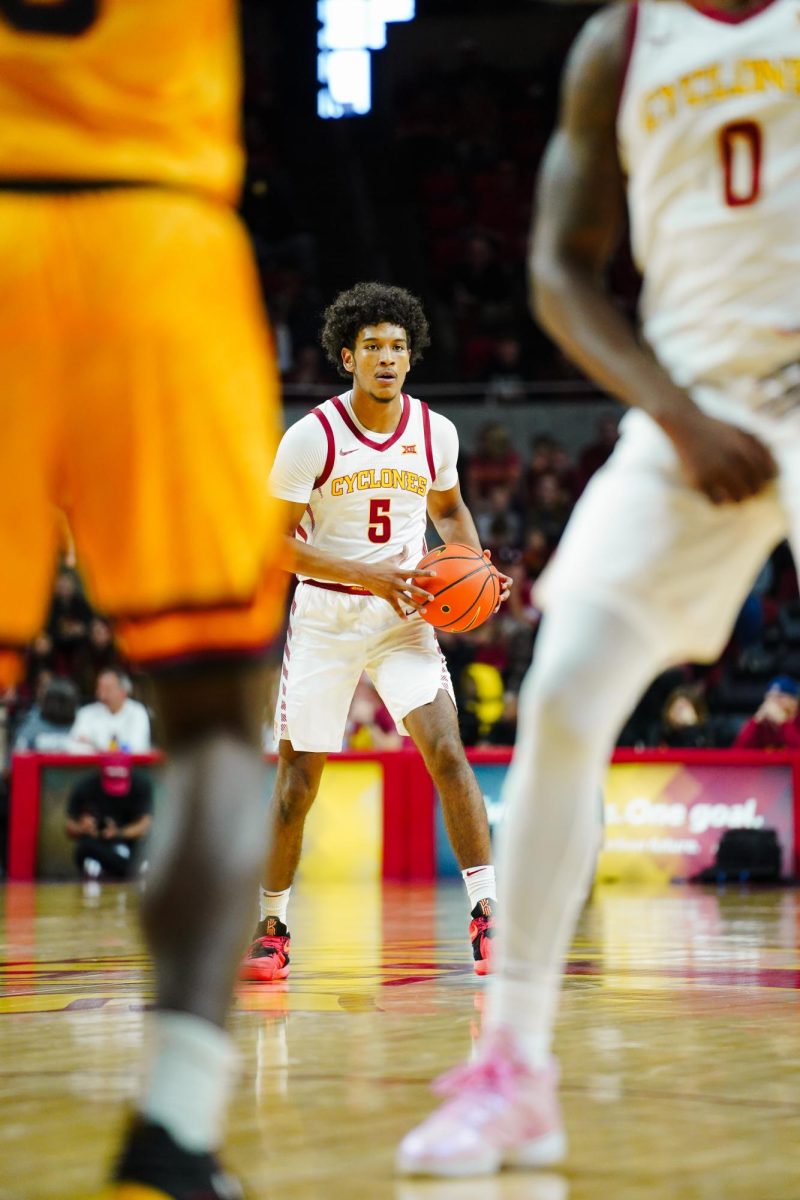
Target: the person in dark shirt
(776, 725)
(108, 815)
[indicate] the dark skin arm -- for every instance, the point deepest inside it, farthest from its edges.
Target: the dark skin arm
(578, 225)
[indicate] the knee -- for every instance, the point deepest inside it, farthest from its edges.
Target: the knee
(295, 793)
(446, 755)
(555, 703)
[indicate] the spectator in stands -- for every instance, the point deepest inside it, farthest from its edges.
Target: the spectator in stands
(40, 661)
(505, 371)
(684, 721)
(47, 728)
(550, 508)
(776, 725)
(68, 622)
(98, 655)
(595, 454)
(115, 721)
(481, 289)
(498, 504)
(493, 463)
(108, 815)
(548, 457)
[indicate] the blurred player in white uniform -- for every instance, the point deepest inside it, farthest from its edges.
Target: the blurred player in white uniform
(361, 474)
(695, 111)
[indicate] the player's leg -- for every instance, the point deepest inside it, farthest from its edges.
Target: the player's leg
(207, 848)
(433, 728)
(170, 431)
(648, 574)
(590, 667)
(296, 786)
(411, 676)
(322, 663)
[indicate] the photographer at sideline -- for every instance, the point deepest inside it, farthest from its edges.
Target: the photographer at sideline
(108, 815)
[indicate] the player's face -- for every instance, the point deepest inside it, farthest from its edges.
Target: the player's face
(380, 361)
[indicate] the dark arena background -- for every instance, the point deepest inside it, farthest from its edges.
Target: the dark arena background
(678, 1033)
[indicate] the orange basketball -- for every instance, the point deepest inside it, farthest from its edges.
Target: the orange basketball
(466, 588)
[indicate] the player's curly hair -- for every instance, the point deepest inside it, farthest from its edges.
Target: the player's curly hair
(373, 304)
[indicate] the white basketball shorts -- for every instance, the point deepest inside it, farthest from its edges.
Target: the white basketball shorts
(645, 544)
(333, 637)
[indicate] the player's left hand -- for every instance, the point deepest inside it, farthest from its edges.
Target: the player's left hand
(506, 582)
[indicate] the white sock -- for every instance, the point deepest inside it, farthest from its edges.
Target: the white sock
(590, 667)
(480, 884)
(274, 904)
(191, 1077)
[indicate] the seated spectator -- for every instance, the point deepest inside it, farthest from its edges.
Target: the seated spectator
(493, 463)
(499, 503)
(98, 655)
(551, 507)
(68, 622)
(776, 724)
(684, 721)
(115, 721)
(108, 815)
(47, 728)
(595, 454)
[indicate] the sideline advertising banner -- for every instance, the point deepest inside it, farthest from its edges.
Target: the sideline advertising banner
(672, 815)
(664, 819)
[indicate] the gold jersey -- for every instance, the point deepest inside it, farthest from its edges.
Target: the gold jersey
(121, 90)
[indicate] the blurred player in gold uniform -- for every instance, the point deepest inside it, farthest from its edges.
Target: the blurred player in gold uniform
(139, 397)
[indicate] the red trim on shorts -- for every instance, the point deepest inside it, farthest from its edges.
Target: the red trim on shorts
(728, 16)
(627, 53)
(337, 587)
(398, 433)
(426, 429)
(331, 454)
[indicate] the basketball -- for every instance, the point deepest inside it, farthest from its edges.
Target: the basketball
(466, 588)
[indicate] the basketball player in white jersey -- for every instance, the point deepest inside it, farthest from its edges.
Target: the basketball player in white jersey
(361, 474)
(695, 111)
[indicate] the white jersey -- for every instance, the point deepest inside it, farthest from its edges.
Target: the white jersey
(365, 493)
(709, 135)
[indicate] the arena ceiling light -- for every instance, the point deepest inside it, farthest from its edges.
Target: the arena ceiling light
(349, 31)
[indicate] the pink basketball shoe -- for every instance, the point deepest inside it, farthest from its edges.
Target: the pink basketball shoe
(498, 1112)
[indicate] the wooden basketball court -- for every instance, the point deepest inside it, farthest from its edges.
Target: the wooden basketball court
(679, 1042)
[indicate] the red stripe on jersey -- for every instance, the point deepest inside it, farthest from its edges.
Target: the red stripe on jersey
(730, 16)
(351, 425)
(331, 455)
(426, 428)
(301, 533)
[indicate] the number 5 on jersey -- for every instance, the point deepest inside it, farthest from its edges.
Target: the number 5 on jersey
(379, 529)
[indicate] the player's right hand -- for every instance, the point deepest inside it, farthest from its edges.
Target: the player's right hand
(395, 584)
(725, 463)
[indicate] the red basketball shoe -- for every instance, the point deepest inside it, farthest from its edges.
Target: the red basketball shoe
(481, 932)
(267, 957)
